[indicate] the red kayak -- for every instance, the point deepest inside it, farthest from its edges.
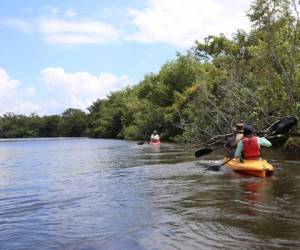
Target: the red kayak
(155, 143)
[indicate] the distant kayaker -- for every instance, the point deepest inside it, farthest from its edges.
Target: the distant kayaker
(231, 143)
(154, 137)
(249, 146)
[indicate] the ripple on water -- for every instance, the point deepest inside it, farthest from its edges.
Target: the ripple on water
(109, 194)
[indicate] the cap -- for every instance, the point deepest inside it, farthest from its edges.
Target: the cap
(239, 128)
(248, 130)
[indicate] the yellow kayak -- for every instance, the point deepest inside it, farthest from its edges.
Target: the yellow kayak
(259, 168)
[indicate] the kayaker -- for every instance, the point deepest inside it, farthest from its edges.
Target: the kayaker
(231, 143)
(249, 146)
(154, 137)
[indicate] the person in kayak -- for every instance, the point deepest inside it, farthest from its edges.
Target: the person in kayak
(154, 137)
(231, 143)
(249, 146)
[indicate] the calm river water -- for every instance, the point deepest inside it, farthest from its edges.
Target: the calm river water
(112, 194)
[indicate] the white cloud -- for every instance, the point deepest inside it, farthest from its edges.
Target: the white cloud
(8, 86)
(77, 32)
(175, 22)
(61, 90)
(24, 107)
(52, 9)
(80, 89)
(70, 13)
(30, 91)
(181, 22)
(14, 97)
(59, 31)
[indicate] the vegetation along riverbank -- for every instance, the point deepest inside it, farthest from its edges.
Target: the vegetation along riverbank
(251, 77)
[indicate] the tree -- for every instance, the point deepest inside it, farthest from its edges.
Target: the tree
(73, 123)
(49, 126)
(277, 24)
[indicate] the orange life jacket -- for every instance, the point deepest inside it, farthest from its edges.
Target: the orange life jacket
(251, 148)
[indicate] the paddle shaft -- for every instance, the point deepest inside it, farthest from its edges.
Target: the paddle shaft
(216, 168)
(225, 162)
(206, 151)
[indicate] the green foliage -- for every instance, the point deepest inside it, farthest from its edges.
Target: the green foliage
(148, 118)
(73, 122)
(14, 126)
(107, 116)
(251, 77)
(135, 112)
(49, 126)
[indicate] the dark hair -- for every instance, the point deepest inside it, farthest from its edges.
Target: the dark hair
(248, 130)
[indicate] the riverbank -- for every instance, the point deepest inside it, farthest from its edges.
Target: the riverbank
(292, 144)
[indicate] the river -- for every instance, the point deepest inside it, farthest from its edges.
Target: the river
(114, 194)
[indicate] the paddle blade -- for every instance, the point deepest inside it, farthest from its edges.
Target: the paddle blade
(140, 143)
(217, 167)
(214, 168)
(283, 126)
(278, 140)
(202, 152)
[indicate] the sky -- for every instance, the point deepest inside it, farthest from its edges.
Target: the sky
(66, 54)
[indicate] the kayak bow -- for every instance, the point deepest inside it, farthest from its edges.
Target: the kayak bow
(155, 143)
(258, 168)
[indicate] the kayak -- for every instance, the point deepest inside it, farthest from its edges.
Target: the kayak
(258, 168)
(154, 143)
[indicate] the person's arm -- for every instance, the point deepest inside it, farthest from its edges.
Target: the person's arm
(238, 150)
(227, 143)
(230, 143)
(264, 142)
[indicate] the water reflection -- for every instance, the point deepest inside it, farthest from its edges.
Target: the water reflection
(111, 194)
(252, 191)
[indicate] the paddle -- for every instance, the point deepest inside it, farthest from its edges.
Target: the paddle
(282, 125)
(141, 143)
(217, 167)
(202, 152)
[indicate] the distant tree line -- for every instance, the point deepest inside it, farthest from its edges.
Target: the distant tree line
(72, 123)
(252, 77)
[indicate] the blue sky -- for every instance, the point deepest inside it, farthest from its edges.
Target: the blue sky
(60, 54)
